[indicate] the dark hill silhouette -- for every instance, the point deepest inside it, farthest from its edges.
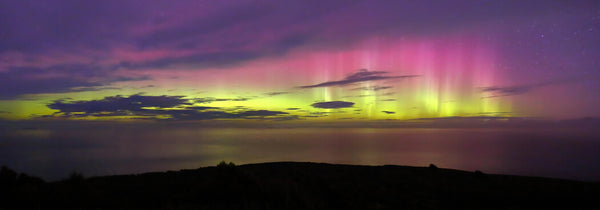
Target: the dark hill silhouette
(296, 185)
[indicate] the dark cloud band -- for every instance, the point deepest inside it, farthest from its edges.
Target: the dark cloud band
(154, 107)
(362, 75)
(333, 104)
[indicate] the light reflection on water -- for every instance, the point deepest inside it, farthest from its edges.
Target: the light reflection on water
(569, 154)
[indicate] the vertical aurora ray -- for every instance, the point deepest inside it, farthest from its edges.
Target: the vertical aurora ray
(451, 72)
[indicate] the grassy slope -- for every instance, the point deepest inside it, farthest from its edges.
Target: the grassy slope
(291, 185)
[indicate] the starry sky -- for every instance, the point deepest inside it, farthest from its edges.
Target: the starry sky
(298, 60)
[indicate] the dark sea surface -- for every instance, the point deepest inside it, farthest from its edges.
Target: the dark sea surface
(54, 153)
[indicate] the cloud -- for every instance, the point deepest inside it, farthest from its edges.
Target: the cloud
(137, 35)
(370, 95)
(167, 24)
(127, 79)
(201, 107)
(261, 113)
(209, 115)
(196, 60)
(97, 29)
(18, 81)
(320, 113)
(361, 76)
(276, 93)
(14, 87)
(286, 118)
(373, 88)
(86, 89)
(500, 91)
(388, 112)
(493, 113)
(119, 103)
(156, 107)
(332, 104)
(212, 99)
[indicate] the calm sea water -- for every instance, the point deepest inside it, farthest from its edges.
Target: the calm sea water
(52, 154)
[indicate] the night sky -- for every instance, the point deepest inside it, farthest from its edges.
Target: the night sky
(298, 60)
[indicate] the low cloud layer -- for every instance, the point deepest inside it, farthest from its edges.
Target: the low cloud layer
(156, 107)
(119, 103)
(332, 104)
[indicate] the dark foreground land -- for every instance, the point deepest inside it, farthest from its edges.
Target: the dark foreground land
(291, 185)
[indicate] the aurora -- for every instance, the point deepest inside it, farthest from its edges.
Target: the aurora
(391, 60)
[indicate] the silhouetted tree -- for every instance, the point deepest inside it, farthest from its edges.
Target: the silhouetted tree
(431, 166)
(7, 176)
(23, 179)
(224, 164)
(76, 177)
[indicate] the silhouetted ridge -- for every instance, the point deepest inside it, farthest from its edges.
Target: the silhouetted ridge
(298, 185)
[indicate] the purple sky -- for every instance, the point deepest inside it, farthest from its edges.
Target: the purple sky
(545, 54)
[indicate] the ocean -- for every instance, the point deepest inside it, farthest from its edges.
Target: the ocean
(55, 153)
